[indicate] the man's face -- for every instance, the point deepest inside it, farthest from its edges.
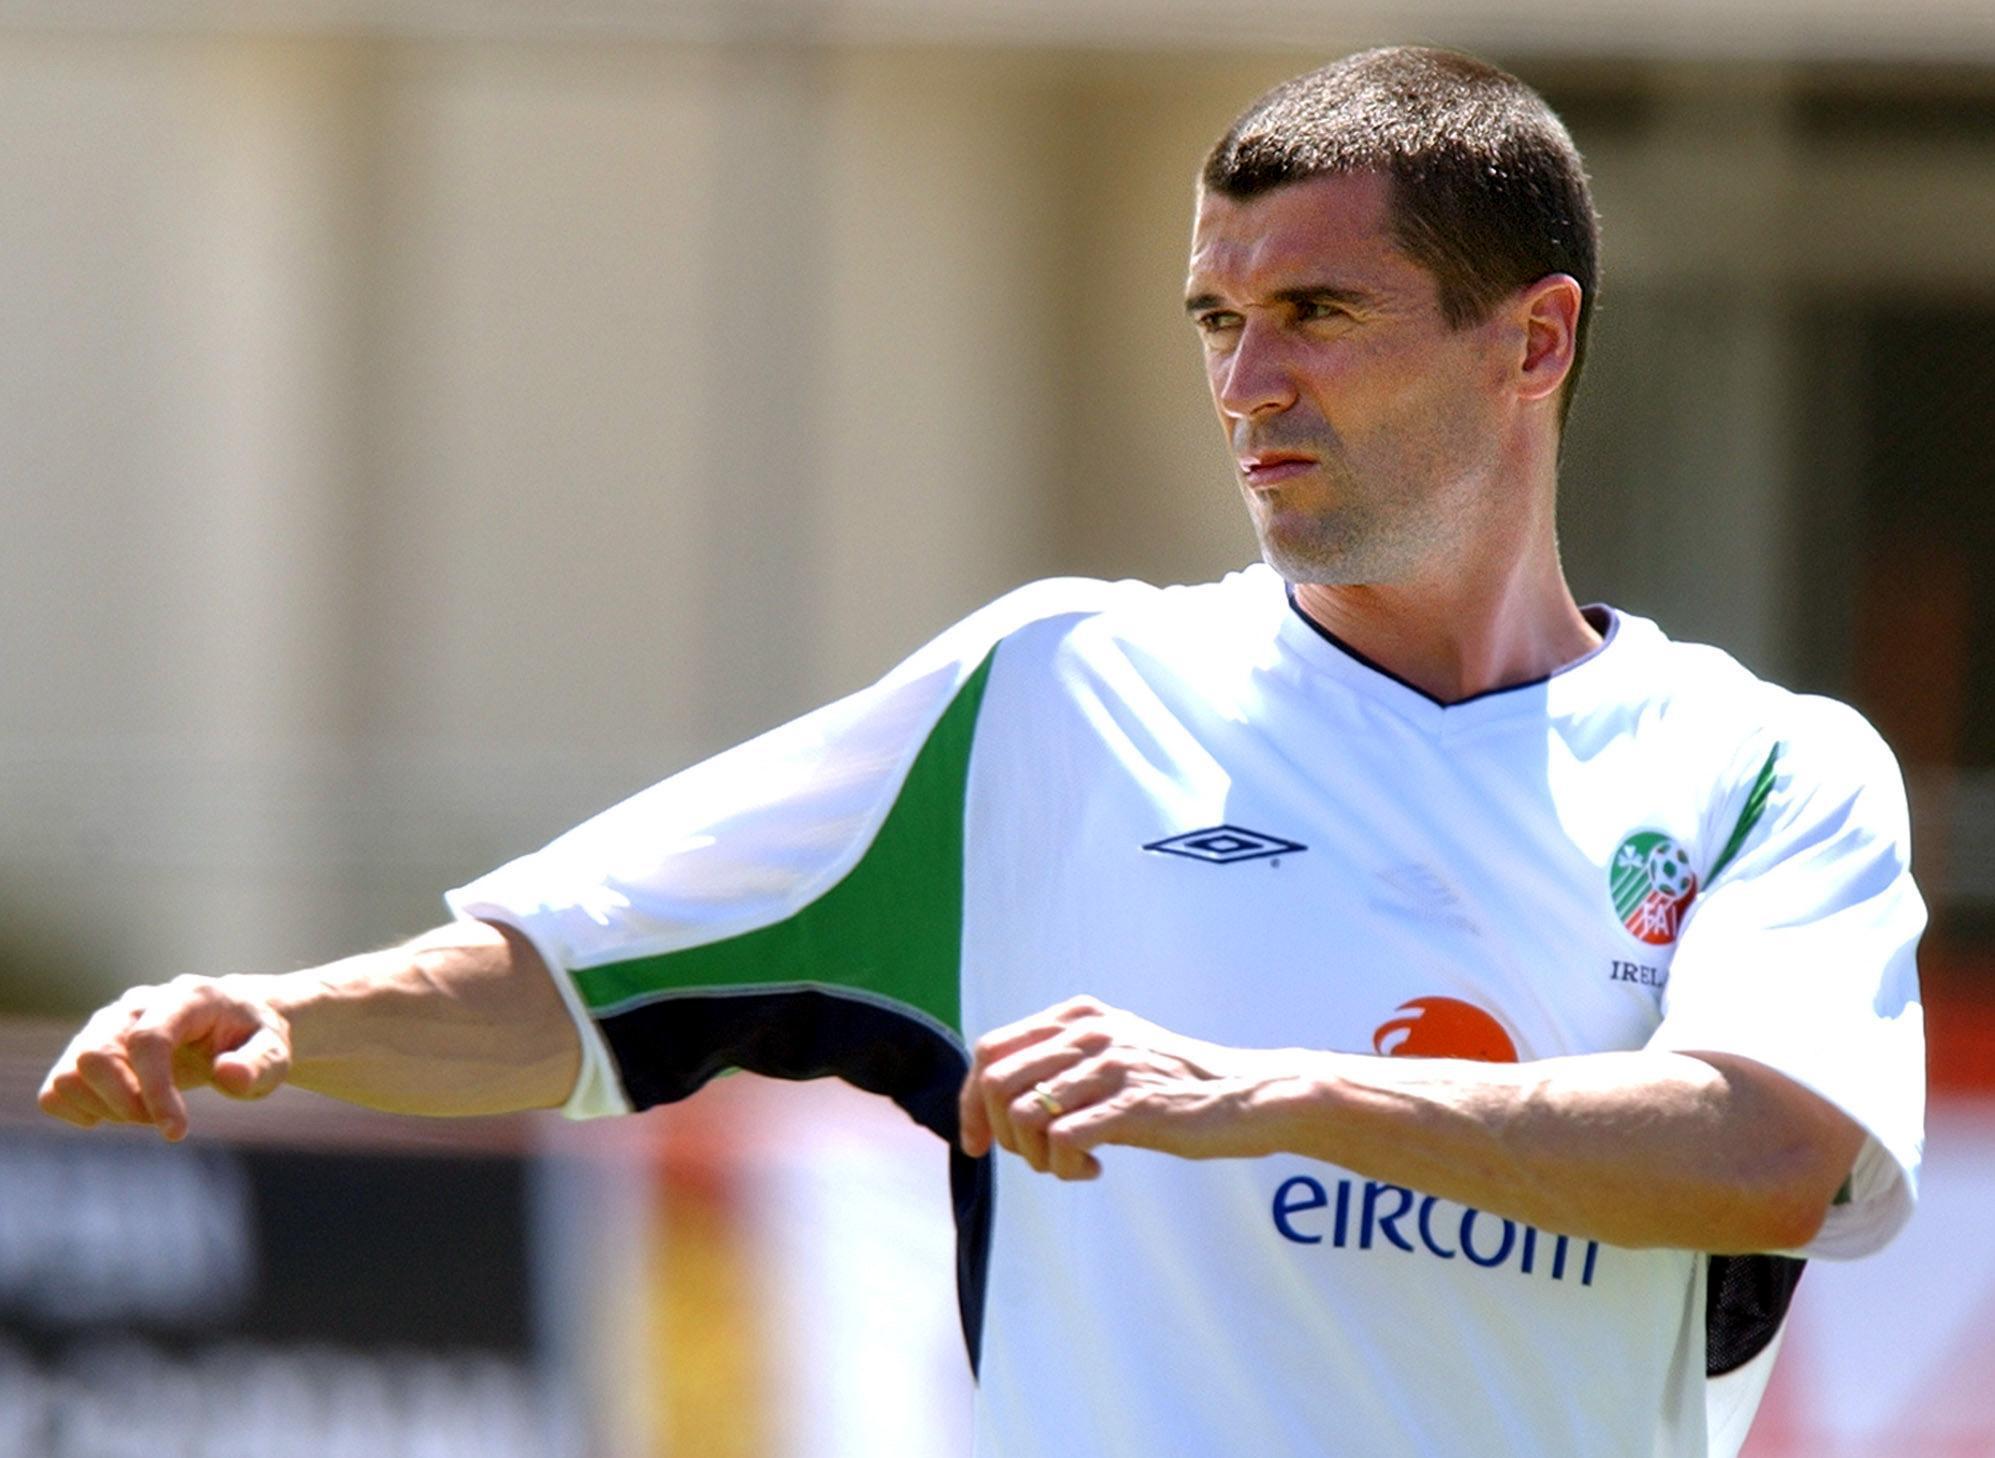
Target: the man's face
(1364, 429)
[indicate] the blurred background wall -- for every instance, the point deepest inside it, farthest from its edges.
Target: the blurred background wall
(421, 425)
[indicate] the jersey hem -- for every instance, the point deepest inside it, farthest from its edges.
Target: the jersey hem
(769, 989)
(597, 1092)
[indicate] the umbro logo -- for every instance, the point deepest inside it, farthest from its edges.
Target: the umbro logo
(1224, 844)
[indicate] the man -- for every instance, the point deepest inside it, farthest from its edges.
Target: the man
(1160, 888)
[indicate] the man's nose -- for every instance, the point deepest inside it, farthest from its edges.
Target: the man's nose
(1256, 377)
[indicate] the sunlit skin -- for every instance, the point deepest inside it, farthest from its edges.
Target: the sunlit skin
(1400, 471)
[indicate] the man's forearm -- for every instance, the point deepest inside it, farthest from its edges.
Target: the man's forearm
(1637, 1148)
(462, 1020)
(1707, 1152)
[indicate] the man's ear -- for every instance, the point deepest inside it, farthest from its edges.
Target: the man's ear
(1549, 313)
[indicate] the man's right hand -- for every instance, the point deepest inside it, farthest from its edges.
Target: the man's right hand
(130, 1061)
(465, 1019)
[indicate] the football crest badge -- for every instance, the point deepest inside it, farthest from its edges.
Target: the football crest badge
(1652, 884)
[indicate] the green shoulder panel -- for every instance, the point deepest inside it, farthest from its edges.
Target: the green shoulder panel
(1749, 815)
(890, 930)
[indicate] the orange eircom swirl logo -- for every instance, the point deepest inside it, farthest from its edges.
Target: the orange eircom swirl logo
(1444, 1027)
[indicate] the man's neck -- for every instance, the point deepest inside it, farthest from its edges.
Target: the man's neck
(1455, 644)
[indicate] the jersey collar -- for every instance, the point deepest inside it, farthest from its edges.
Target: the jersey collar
(1562, 689)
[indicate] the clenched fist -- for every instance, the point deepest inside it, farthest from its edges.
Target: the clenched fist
(1054, 1086)
(130, 1061)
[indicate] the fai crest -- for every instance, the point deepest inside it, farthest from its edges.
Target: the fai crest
(1652, 885)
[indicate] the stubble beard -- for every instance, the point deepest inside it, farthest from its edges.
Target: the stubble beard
(1347, 543)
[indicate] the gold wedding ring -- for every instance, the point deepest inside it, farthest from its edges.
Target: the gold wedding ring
(1046, 1100)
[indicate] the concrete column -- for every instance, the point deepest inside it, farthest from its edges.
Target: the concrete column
(1679, 480)
(268, 250)
(173, 430)
(761, 308)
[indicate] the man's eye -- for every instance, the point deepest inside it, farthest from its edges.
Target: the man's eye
(1213, 321)
(1319, 309)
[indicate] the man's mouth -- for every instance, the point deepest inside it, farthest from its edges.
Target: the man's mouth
(1270, 468)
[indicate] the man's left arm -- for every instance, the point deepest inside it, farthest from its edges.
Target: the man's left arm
(1643, 1148)
(1788, 1057)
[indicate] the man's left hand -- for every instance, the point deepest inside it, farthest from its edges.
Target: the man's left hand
(1054, 1086)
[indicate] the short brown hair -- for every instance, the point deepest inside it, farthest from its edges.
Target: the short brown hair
(1488, 192)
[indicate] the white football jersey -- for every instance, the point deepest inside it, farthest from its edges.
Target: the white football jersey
(1195, 804)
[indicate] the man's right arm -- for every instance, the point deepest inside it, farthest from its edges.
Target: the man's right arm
(463, 1020)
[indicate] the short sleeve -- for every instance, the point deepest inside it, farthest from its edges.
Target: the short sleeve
(791, 906)
(1799, 954)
